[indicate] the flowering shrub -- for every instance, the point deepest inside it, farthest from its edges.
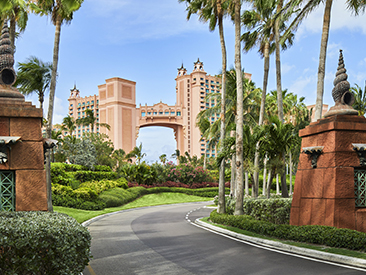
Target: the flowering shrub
(186, 173)
(179, 184)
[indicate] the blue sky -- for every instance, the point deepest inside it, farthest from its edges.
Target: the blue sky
(146, 41)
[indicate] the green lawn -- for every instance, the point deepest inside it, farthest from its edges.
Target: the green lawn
(147, 200)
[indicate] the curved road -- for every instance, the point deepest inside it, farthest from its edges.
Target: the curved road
(161, 240)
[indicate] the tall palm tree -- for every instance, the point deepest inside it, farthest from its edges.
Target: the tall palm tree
(61, 11)
(90, 121)
(137, 153)
(213, 11)
(239, 121)
(356, 7)
(260, 23)
(34, 76)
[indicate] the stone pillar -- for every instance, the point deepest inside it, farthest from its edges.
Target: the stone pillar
(325, 195)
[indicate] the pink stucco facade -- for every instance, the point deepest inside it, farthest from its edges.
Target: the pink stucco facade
(115, 105)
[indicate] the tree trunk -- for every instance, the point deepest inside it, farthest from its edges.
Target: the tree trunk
(269, 183)
(246, 183)
(221, 205)
(277, 185)
(261, 118)
(291, 166)
(233, 181)
(278, 65)
(50, 107)
(322, 58)
(264, 175)
(239, 117)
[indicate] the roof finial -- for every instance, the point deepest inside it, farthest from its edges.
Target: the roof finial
(343, 98)
(7, 73)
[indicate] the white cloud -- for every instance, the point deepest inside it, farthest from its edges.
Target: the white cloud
(341, 18)
(285, 68)
(131, 21)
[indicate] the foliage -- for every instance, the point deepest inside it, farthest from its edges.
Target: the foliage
(187, 174)
(103, 147)
(84, 176)
(139, 173)
(34, 76)
(275, 210)
(316, 234)
(86, 196)
(42, 243)
(81, 152)
(360, 99)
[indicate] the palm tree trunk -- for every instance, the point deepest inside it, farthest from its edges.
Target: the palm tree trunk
(12, 32)
(221, 205)
(269, 183)
(264, 176)
(277, 185)
(246, 183)
(50, 107)
(239, 117)
(291, 166)
(322, 58)
(233, 181)
(278, 65)
(261, 118)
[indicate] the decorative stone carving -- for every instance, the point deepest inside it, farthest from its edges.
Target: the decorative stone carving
(342, 97)
(7, 73)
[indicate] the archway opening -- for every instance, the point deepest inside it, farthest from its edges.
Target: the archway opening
(156, 141)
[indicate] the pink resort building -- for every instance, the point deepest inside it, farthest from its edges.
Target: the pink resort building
(116, 105)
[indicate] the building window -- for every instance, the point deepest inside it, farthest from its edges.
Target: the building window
(148, 113)
(155, 113)
(142, 113)
(160, 113)
(166, 113)
(178, 113)
(172, 113)
(201, 78)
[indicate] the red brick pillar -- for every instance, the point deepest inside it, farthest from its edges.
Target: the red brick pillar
(325, 195)
(20, 119)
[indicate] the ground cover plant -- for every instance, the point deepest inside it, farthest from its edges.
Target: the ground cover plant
(42, 243)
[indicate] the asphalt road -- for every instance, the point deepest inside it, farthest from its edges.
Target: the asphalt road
(161, 240)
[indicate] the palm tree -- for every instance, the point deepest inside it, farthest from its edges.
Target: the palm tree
(69, 124)
(260, 23)
(90, 120)
(356, 7)
(61, 11)
(16, 12)
(278, 139)
(137, 153)
(360, 99)
(176, 154)
(214, 12)
(34, 76)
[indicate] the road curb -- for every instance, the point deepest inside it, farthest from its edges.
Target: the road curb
(339, 259)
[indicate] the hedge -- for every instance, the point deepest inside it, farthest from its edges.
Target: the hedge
(42, 243)
(117, 196)
(276, 210)
(86, 196)
(315, 234)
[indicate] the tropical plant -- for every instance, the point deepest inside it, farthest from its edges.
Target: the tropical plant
(16, 11)
(90, 121)
(163, 158)
(103, 147)
(68, 124)
(360, 99)
(137, 153)
(34, 76)
(278, 139)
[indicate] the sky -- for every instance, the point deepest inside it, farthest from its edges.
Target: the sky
(146, 41)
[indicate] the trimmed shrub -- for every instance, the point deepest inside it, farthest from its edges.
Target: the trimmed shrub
(119, 196)
(42, 243)
(84, 176)
(275, 210)
(315, 234)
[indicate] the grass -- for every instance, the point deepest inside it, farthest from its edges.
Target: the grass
(339, 251)
(147, 200)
